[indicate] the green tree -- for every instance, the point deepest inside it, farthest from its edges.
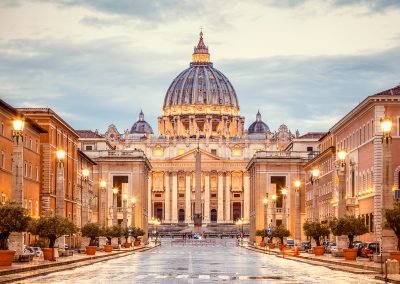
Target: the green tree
(393, 221)
(262, 234)
(280, 233)
(137, 232)
(112, 232)
(349, 226)
(13, 218)
(316, 231)
(52, 228)
(92, 231)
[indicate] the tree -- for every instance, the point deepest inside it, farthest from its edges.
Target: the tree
(315, 230)
(137, 232)
(393, 221)
(349, 226)
(112, 232)
(128, 231)
(13, 218)
(52, 228)
(262, 234)
(280, 233)
(92, 231)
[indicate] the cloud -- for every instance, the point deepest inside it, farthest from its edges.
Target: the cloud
(373, 5)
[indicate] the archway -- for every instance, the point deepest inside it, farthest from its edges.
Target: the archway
(236, 210)
(158, 210)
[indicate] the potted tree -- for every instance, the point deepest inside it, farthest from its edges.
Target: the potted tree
(13, 218)
(316, 231)
(351, 227)
(51, 228)
(137, 233)
(280, 233)
(126, 233)
(92, 231)
(109, 233)
(262, 234)
(393, 221)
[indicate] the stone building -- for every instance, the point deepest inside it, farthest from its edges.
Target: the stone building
(201, 110)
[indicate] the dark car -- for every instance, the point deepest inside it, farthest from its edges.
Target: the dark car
(369, 248)
(306, 245)
(358, 246)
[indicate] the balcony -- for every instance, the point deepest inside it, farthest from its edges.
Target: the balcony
(308, 155)
(351, 202)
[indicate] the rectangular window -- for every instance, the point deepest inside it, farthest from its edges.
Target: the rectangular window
(25, 169)
(2, 128)
(30, 207)
(214, 151)
(37, 146)
(30, 170)
(309, 149)
(30, 144)
(236, 195)
(181, 195)
(157, 195)
(3, 160)
(3, 197)
(37, 208)
(88, 148)
(213, 195)
(37, 173)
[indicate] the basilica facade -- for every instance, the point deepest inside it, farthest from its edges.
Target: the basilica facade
(201, 111)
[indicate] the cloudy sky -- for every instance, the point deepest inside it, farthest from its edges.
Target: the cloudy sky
(302, 63)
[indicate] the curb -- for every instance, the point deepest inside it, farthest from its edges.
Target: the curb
(18, 274)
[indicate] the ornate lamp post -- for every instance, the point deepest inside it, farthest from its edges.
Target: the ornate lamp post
(115, 216)
(133, 204)
(17, 160)
(342, 183)
(387, 181)
(103, 187)
(284, 193)
(297, 225)
(84, 197)
(274, 211)
(125, 211)
(240, 222)
(315, 175)
(60, 188)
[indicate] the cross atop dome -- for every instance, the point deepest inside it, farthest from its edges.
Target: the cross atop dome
(200, 54)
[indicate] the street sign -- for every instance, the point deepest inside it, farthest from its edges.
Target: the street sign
(269, 231)
(129, 232)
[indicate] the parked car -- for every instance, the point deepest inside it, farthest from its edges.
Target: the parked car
(331, 247)
(290, 242)
(369, 248)
(306, 245)
(38, 251)
(358, 246)
(196, 236)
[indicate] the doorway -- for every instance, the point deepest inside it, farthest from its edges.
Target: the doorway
(181, 216)
(236, 211)
(213, 215)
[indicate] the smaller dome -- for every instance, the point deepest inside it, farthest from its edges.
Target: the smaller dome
(258, 126)
(141, 126)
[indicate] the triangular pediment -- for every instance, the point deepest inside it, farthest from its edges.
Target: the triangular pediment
(190, 156)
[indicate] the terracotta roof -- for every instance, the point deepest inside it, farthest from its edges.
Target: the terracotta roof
(88, 134)
(391, 92)
(313, 135)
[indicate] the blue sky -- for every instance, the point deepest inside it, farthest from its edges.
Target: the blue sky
(302, 63)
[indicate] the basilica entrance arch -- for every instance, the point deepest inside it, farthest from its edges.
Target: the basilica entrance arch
(181, 216)
(236, 210)
(158, 210)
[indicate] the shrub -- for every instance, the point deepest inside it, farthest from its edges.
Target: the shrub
(393, 221)
(92, 231)
(316, 231)
(349, 226)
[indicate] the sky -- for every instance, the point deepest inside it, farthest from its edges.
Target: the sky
(97, 62)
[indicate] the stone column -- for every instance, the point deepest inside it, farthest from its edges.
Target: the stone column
(297, 226)
(187, 200)
(167, 216)
(206, 197)
(115, 213)
(246, 193)
(149, 197)
(315, 201)
(341, 241)
(220, 217)
(60, 190)
(228, 197)
(174, 198)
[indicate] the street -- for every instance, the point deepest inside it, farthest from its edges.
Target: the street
(217, 260)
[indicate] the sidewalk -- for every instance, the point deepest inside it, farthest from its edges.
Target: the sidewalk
(39, 266)
(359, 266)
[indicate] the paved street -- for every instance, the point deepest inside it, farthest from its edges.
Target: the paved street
(196, 262)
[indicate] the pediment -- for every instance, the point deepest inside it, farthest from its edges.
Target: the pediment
(190, 156)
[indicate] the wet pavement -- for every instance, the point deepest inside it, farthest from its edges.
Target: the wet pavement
(209, 261)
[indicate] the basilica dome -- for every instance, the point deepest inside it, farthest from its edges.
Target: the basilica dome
(258, 126)
(201, 84)
(141, 126)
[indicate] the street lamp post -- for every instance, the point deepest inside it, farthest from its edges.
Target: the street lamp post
(284, 221)
(60, 191)
(274, 211)
(17, 194)
(315, 175)
(297, 226)
(103, 187)
(387, 180)
(240, 223)
(125, 211)
(341, 241)
(115, 216)
(84, 197)
(133, 204)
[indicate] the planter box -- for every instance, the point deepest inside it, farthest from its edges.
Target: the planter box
(350, 254)
(262, 244)
(108, 248)
(395, 255)
(136, 243)
(91, 250)
(127, 245)
(49, 254)
(6, 257)
(271, 245)
(319, 250)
